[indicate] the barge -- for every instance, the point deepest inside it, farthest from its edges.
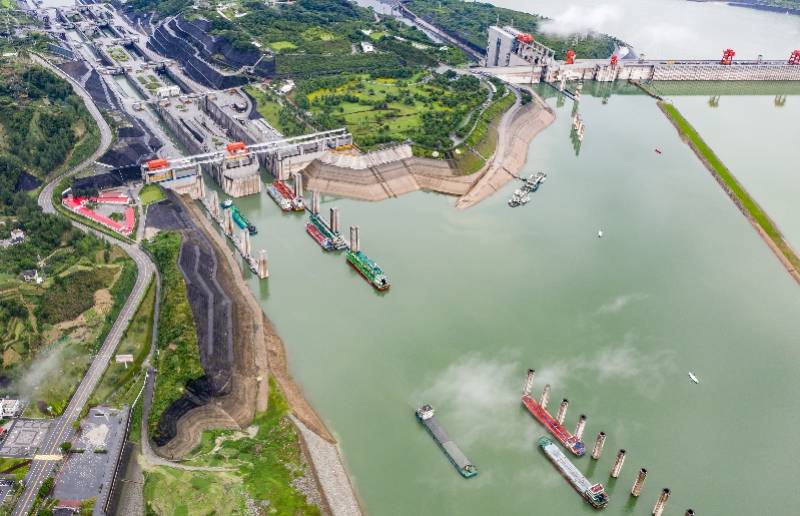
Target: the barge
(336, 239)
(296, 202)
(425, 415)
(319, 237)
(369, 269)
(563, 435)
(239, 219)
(595, 494)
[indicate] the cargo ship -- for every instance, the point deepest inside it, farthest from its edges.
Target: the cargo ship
(323, 241)
(425, 415)
(336, 239)
(238, 218)
(569, 441)
(369, 269)
(281, 192)
(595, 494)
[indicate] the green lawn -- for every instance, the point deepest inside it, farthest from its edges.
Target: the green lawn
(172, 492)
(151, 194)
(751, 207)
(277, 46)
(483, 137)
(6, 4)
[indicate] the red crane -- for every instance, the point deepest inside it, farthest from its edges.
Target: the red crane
(614, 60)
(794, 59)
(727, 56)
(570, 57)
(525, 37)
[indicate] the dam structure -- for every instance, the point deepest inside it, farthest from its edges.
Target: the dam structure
(517, 57)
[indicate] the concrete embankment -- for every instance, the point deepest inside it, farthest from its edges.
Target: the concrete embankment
(517, 129)
(383, 174)
(758, 218)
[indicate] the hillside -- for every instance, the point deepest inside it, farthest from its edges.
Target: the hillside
(44, 125)
(470, 20)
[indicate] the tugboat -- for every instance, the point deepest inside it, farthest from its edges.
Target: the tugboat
(425, 415)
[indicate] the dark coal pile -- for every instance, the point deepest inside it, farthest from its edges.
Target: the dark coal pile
(135, 144)
(26, 182)
(211, 309)
(115, 178)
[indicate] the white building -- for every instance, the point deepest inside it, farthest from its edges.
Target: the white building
(168, 91)
(367, 48)
(10, 408)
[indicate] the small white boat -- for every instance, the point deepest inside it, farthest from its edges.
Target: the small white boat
(600, 233)
(693, 378)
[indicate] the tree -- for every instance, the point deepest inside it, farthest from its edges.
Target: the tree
(66, 446)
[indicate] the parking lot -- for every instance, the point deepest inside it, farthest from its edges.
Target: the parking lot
(25, 437)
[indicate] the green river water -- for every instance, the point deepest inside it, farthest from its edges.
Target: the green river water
(680, 282)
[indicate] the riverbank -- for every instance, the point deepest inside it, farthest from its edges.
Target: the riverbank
(269, 355)
(747, 205)
(518, 128)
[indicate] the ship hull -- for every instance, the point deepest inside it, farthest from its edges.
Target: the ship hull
(323, 241)
(555, 428)
(367, 277)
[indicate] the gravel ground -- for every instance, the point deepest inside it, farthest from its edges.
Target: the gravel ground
(330, 472)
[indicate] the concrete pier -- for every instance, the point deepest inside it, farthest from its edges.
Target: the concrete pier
(246, 249)
(298, 184)
(658, 509)
(617, 468)
(355, 244)
(315, 203)
(598, 445)
(581, 427)
(636, 490)
(214, 204)
(545, 397)
(263, 270)
(526, 388)
(228, 228)
(334, 225)
(562, 411)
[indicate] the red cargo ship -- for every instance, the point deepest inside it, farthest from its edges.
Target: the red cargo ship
(323, 241)
(563, 435)
(288, 193)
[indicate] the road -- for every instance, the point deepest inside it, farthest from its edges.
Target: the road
(45, 461)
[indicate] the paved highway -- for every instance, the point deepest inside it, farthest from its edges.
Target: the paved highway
(45, 461)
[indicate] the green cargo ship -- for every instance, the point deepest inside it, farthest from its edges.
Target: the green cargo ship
(369, 269)
(336, 239)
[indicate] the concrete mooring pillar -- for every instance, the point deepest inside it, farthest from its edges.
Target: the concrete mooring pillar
(598, 445)
(545, 397)
(658, 510)
(562, 411)
(581, 427)
(636, 490)
(201, 187)
(228, 222)
(334, 225)
(355, 244)
(263, 270)
(315, 202)
(298, 184)
(617, 468)
(245, 242)
(526, 388)
(214, 203)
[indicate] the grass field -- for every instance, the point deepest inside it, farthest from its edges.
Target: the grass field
(736, 190)
(118, 54)
(120, 383)
(6, 4)
(151, 194)
(264, 459)
(483, 137)
(277, 46)
(397, 117)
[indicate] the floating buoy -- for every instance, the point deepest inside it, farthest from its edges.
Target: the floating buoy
(599, 233)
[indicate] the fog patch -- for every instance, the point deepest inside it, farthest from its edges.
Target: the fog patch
(46, 364)
(618, 303)
(581, 20)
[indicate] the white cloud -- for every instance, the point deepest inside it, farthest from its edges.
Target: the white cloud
(582, 20)
(619, 302)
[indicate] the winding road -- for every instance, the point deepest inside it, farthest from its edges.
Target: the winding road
(49, 453)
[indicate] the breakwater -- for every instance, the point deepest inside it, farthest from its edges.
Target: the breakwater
(747, 205)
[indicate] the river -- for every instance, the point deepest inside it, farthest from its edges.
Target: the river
(680, 282)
